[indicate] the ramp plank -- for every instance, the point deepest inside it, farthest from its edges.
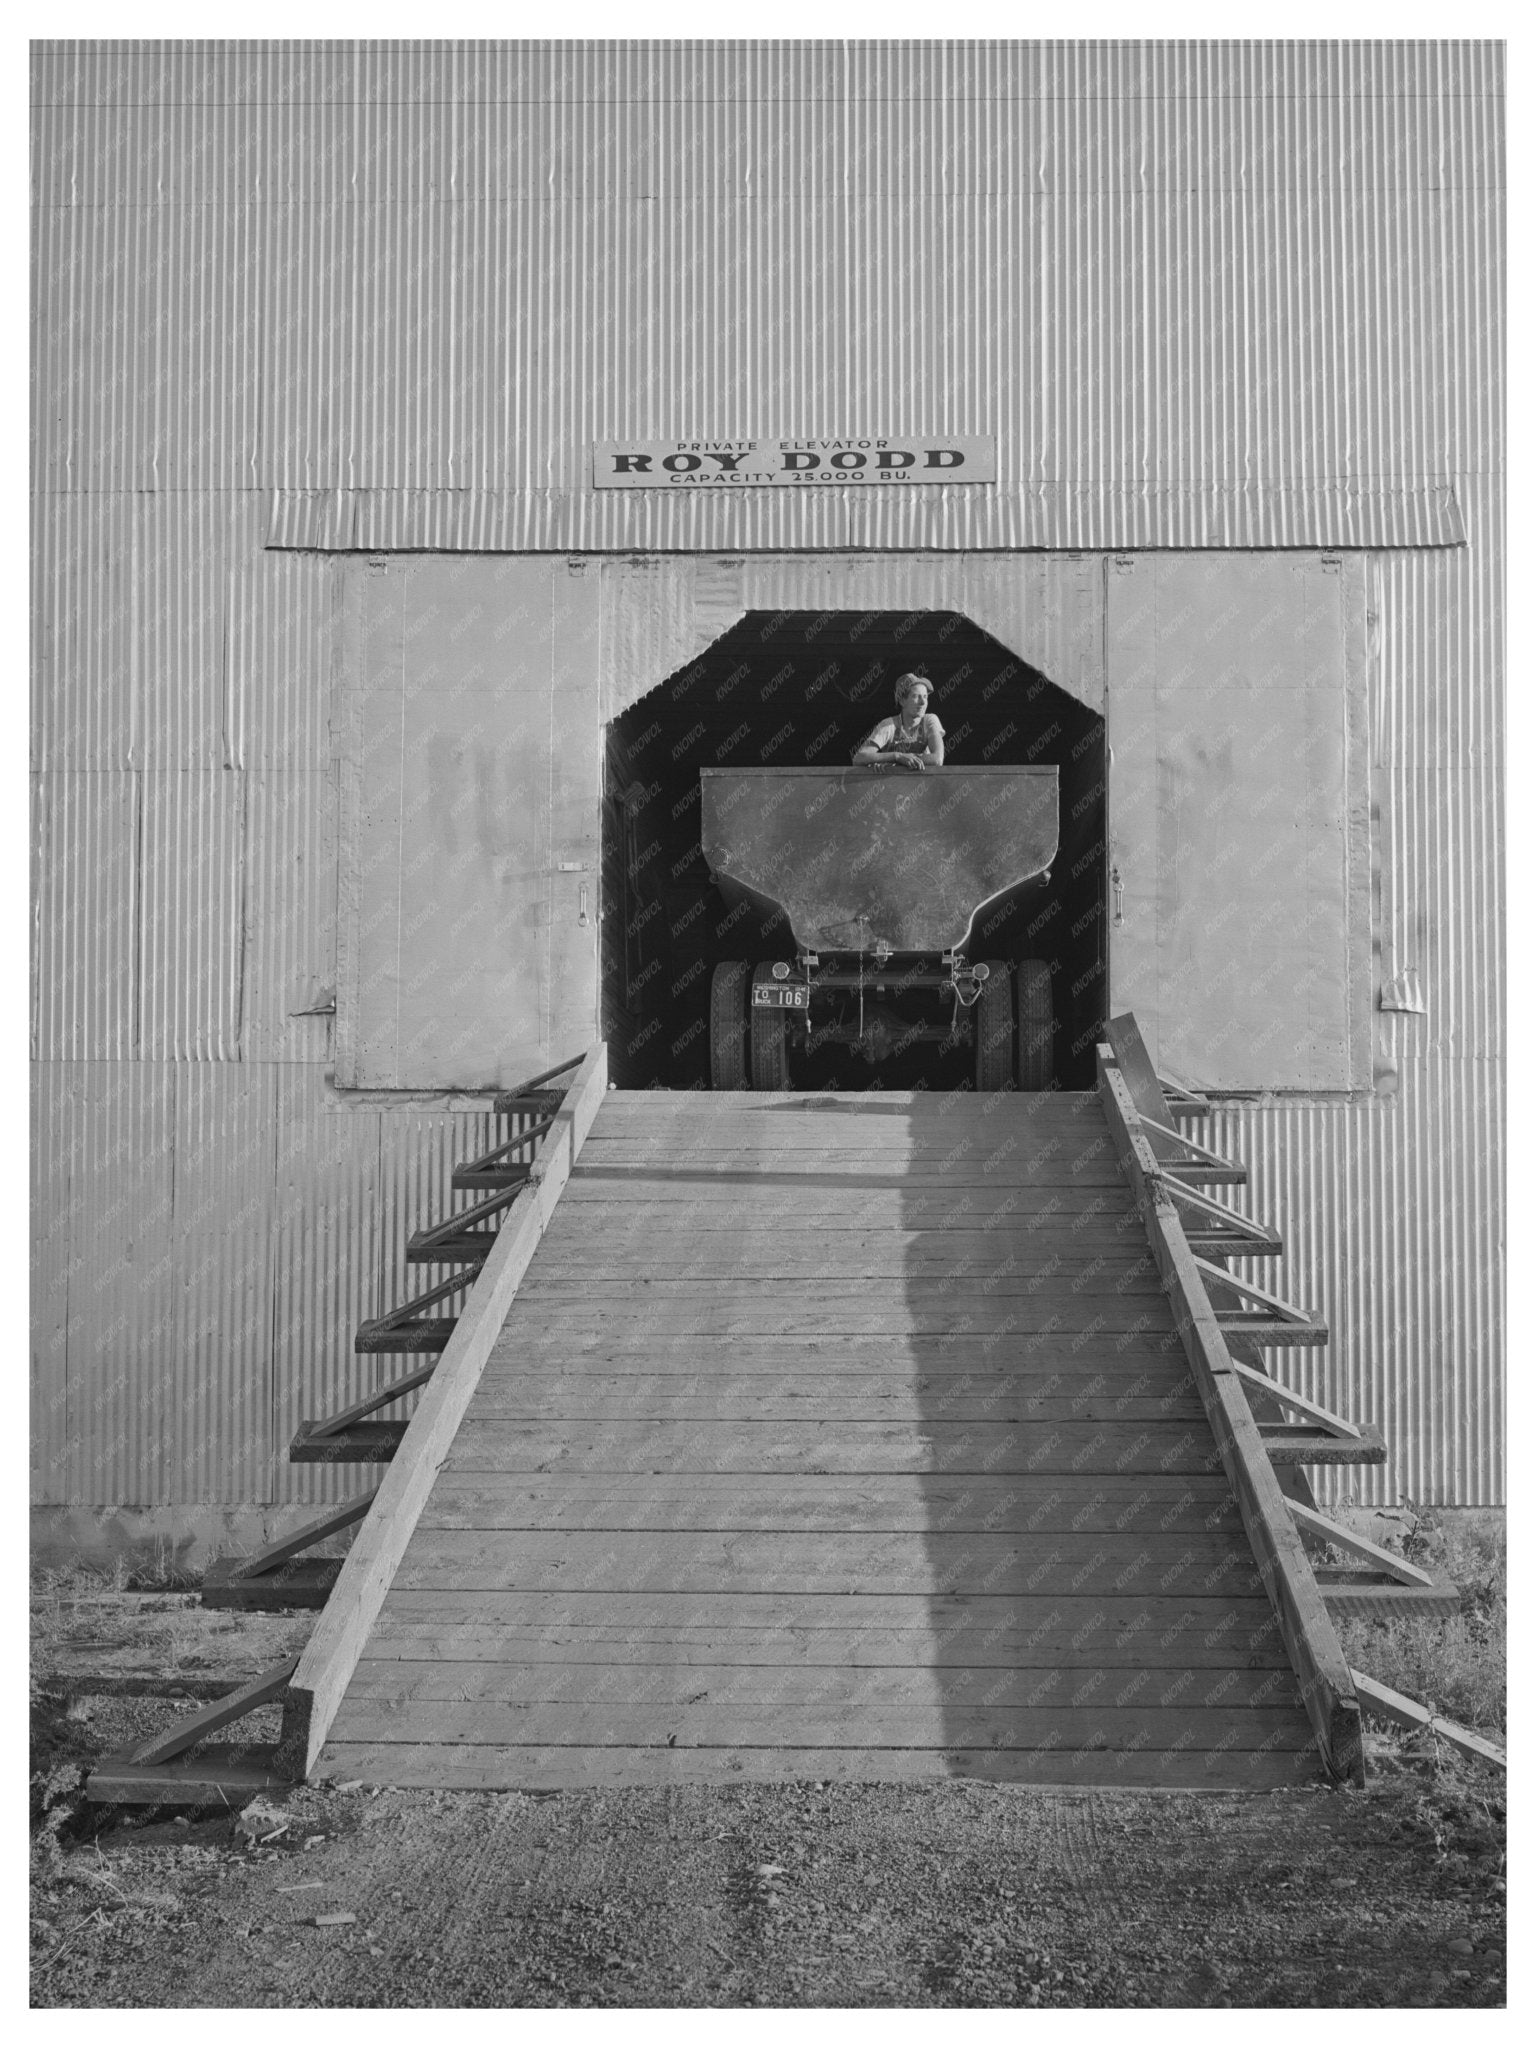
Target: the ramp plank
(942, 1447)
(778, 1561)
(481, 1767)
(704, 1726)
(767, 1685)
(921, 1503)
(846, 1613)
(694, 1398)
(528, 1343)
(1099, 1651)
(919, 1291)
(728, 1313)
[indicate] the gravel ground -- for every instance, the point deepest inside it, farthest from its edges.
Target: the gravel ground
(961, 1895)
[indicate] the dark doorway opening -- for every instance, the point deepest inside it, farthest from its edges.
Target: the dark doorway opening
(795, 687)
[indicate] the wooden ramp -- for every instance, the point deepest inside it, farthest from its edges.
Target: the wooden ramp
(832, 1437)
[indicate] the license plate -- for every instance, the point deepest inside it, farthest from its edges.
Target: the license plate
(781, 995)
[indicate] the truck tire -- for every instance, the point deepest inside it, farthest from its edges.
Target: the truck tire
(770, 1043)
(1037, 1027)
(728, 1025)
(992, 1020)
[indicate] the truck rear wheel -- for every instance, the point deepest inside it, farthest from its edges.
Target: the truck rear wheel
(728, 1025)
(992, 1020)
(770, 1042)
(1037, 1028)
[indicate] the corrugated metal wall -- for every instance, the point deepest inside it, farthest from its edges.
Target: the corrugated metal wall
(1204, 294)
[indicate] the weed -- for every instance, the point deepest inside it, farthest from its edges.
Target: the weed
(56, 1802)
(1444, 1806)
(1454, 1664)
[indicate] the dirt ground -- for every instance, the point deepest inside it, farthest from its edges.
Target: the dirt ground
(922, 1895)
(875, 1895)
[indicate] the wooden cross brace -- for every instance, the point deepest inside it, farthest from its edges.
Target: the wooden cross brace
(1336, 1425)
(1359, 1546)
(1240, 1226)
(1253, 1292)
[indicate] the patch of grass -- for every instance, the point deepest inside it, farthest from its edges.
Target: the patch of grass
(56, 1594)
(1454, 1664)
(1448, 1809)
(68, 1734)
(61, 1749)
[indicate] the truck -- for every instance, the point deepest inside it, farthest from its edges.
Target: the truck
(880, 875)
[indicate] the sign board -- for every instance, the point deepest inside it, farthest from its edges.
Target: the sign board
(822, 459)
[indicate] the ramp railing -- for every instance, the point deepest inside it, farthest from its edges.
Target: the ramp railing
(1327, 1684)
(326, 1666)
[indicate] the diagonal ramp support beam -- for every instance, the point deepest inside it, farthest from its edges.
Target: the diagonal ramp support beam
(392, 1390)
(1199, 1155)
(1396, 1706)
(1336, 1425)
(1231, 1220)
(1359, 1546)
(498, 1153)
(466, 1219)
(1182, 1101)
(1286, 1311)
(394, 1318)
(234, 1706)
(540, 1080)
(274, 1554)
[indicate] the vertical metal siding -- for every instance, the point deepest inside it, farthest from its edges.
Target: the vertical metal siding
(208, 1238)
(457, 269)
(277, 649)
(288, 917)
(1193, 287)
(1391, 1216)
(350, 1186)
(84, 641)
(192, 886)
(326, 1209)
(122, 1407)
(220, 1355)
(87, 831)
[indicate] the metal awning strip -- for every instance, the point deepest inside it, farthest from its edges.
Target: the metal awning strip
(1050, 516)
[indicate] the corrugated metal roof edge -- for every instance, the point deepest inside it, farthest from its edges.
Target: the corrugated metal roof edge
(1060, 517)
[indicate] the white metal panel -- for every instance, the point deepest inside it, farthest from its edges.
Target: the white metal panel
(477, 777)
(1441, 769)
(288, 918)
(575, 755)
(1230, 803)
